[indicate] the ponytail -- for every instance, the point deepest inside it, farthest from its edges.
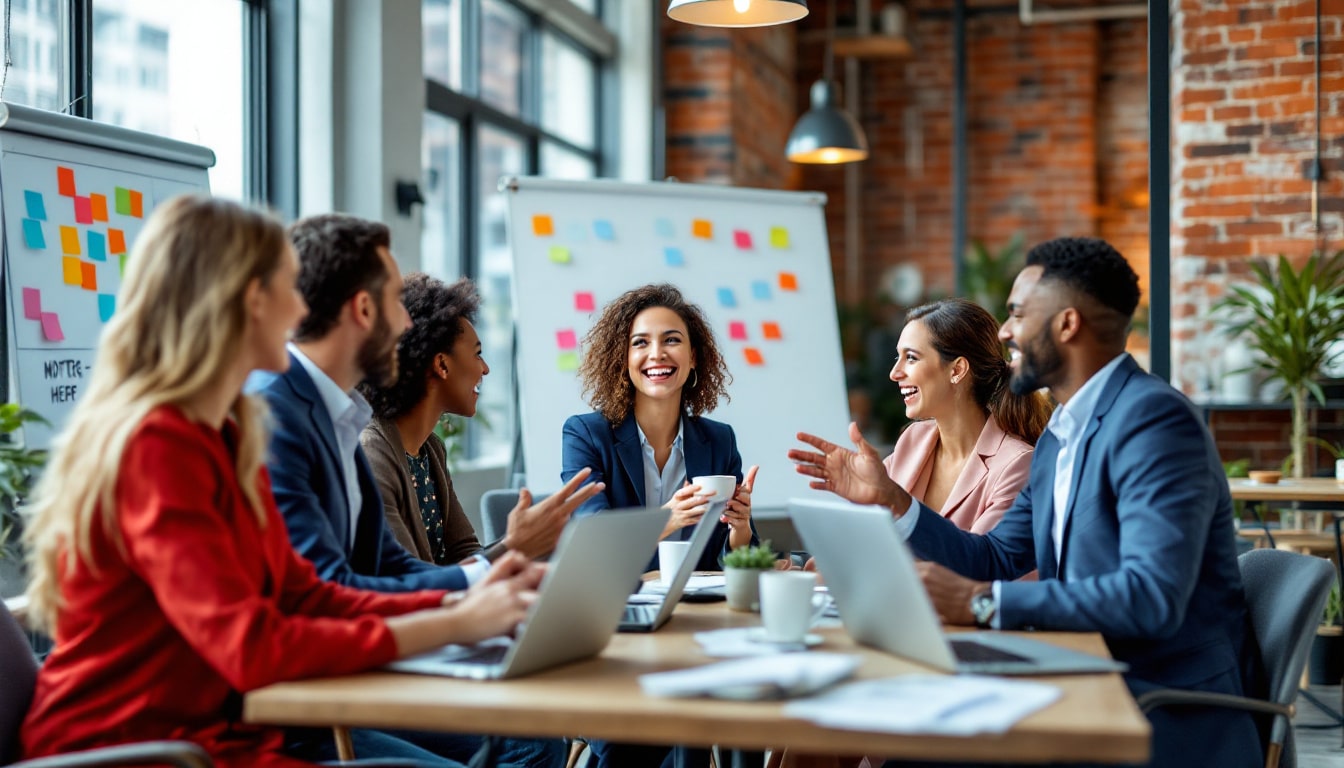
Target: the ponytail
(1023, 416)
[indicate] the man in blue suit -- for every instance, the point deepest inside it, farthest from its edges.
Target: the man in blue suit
(1126, 516)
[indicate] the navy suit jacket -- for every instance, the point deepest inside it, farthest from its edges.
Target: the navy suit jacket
(616, 458)
(309, 487)
(1148, 560)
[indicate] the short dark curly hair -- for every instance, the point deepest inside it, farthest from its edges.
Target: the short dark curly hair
(605, 373)
(1094, 268)
(338, 258)
(437, 310)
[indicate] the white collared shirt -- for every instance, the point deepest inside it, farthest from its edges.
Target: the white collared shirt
(661, 485)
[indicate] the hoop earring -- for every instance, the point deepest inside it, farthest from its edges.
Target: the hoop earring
(695, 379)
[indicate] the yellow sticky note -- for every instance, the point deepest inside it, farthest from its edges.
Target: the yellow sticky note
(542, 226)
(560, 254)
(70, 242)
(702, 229)
(788, 281)
(567, 361)
(779, 237)
(74, 274)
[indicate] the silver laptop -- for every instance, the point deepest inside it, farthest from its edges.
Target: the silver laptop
(646, 617)
(578, 604)
(871, 575)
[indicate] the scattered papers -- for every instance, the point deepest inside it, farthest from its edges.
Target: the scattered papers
(738, 641)
(767, 677)
(693, 584)
(950, 705)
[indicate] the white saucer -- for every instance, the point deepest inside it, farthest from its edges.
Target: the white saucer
(757, 635)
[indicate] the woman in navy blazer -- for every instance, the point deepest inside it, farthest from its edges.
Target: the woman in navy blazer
(651, 369)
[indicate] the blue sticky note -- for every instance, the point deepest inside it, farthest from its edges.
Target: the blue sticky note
(36, 208)
(726, 297)
(32, 235)
(674, 257)
(760, 289)
(97, 246)
(602, 228)
(107, 304)
(664, 228)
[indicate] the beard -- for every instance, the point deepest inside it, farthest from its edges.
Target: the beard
(1036, 366)
(378, 354)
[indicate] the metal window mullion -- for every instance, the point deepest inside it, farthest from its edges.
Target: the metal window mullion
(471, 46)
(78, 34)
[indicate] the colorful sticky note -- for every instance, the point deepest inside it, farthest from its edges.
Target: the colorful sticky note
(779, 237)
(788, 281)
(603, 229)
(123, 200)
(69, 241)
(542, 226)
(51, 327)
(663, 228)
(83, 210)
(32, 304)
(116, 241)
(742, 239)
(32, 235)
(753, 356)
(33, 202)
(567, 361)
(99, 205)
(566, 339)
(771, 331)
(737, 330)
(726, 297)
(560, 254)
(760, 290)
(121, 265)
(65, 181)
(673, 257)
(107, 305)
(97, 246)
(137, 204)
(71, 272)
(702, 229)
(583, 301)
(88, 276)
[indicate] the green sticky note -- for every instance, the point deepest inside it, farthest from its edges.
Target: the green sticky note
(567, 361)
(123, 201)
(779, 237)
(560, 254)
(122, 266)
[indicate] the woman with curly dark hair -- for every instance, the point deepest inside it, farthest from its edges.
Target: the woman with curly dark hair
(441, 371)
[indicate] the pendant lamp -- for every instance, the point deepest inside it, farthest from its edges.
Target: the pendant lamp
(826, 134)
(736, 13)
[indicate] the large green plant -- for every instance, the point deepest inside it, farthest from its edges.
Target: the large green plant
(18, 468)
(1291, 316)
(988, 275)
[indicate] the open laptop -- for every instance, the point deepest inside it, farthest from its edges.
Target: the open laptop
(646, 617)
(578, 603)
(871, 574)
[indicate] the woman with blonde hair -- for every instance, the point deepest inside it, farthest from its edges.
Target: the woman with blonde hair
(159, 562)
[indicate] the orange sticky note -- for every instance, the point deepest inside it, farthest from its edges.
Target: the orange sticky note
(753, 356)
(702, 229)
(88, 275)
(771, 331)
(137, 204)
(116, 241)
(65, 181)
(70, 241)
(542, 226)
(788, 281)
(99, 205)
(71, 271)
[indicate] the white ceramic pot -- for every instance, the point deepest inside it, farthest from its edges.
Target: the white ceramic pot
(1339, 470)
(742, 588)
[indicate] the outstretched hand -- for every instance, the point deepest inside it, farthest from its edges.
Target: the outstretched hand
(533, 529)
(856, 475)
(737, 512)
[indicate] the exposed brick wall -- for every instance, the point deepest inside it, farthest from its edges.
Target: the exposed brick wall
(1262, 435)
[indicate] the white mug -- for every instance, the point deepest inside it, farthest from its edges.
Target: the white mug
(670, 556)
(790, 605)
(716, 487)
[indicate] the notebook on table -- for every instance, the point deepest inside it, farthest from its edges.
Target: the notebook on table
(578, 604)
(647, 617)
(871, 574)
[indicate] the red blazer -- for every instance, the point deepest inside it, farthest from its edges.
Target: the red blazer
(201, 605)
(987, 485)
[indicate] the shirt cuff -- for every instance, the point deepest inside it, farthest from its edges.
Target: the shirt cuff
(474, 569)
(905, 524)
(996, 622)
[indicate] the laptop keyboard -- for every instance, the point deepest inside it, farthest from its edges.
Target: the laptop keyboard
(490, 653)
(976, 653)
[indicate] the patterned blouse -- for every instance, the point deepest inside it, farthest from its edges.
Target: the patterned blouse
(430, 511)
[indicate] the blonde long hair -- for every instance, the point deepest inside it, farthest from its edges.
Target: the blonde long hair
(179, 326)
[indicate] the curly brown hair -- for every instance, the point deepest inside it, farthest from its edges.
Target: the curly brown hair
(605, 374)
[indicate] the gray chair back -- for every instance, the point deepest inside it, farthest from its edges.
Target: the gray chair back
(495, 508)
(1285, 593)
(18, 675)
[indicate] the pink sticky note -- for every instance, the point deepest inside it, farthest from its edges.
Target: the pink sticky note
(583, 301)
(742, 238)
(32, 304)
(51, 327)
(737, 330)
(83, 210)
(566, 339)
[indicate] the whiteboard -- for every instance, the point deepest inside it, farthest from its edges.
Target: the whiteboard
(73, 196)
(756, 261)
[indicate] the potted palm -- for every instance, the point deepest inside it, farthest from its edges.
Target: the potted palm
(742, 574)
(1290, 317)
(19, 466)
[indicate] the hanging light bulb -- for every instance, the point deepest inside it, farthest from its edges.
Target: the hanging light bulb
(736, 13)
(826, 134)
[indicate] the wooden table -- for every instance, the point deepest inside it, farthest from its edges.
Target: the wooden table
(1096, 720)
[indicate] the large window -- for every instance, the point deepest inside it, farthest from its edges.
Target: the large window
(513, 87)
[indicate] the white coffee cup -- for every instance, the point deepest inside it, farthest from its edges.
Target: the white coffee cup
(670, 556)
(790, 605)
(716, 487)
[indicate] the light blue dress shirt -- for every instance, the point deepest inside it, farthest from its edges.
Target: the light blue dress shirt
(661, 485)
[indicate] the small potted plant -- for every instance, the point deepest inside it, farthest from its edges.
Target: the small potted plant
(742, 572)
(1326, 665)
(19, 466)
(1337, 451)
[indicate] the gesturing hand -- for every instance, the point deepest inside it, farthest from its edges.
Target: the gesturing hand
(533, 529)
(737, 513)
(854, 475)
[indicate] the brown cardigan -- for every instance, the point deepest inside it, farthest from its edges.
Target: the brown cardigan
(382, 444)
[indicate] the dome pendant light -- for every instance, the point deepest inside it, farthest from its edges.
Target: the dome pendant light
(826, 134)
(736, 13)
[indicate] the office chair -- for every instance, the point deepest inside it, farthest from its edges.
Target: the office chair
(1285, 593)
(495, 508)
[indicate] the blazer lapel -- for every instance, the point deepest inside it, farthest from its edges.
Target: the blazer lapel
(1043, 505)
(695, 447)
(631, 456)
(306, 390)
(977, 467)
